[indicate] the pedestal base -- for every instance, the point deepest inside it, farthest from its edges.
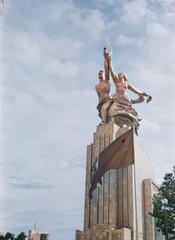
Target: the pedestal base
(104, 234)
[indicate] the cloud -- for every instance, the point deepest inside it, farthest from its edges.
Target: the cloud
(123, 40)
(160, 39)
(96, 18)
(134, 12)
(62, 70)
(27, 184)
(104, 2)
(167, 3)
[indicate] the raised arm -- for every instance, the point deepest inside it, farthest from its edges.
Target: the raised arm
(111, 70)
(108, 66)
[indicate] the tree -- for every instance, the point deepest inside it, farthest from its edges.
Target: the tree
(8, 236)
(21, 236)
(164, 205)
(11, 236)
(1, 237)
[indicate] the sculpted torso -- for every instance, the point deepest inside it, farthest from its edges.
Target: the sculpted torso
(103, 89)
(121, 86)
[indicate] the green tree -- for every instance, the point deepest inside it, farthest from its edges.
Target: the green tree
(164, 205)
(11, 236)
(8, 236)
(21, 236)
(1, 237)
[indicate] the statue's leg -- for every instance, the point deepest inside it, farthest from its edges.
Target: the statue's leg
(112, 110)
(104, 111)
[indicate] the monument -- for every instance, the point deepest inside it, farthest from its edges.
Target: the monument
(119, 186)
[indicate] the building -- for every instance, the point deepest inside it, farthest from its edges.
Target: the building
(121, 207)
(34, 235)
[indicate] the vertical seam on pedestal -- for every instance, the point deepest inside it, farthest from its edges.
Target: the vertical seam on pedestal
(109, 173)
(103, 180)
(90, 200)
(127, 200)
(135, 189)
(108, 194)
(122, 198)
(117, 198)
(99, 150)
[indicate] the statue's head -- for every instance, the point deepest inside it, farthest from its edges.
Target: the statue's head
(122, 75)
(101, 75)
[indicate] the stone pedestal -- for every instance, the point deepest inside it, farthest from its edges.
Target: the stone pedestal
(124, 199)
(104, 234)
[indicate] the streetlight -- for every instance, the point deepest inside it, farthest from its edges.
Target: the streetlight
(164, 201)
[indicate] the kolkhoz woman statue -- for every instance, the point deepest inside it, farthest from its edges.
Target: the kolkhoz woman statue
(120, 107)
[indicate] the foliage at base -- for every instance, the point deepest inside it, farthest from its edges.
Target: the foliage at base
(164, 211)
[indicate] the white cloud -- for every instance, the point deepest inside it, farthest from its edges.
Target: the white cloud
(29, 47)
(135, 11)
(104, 2)
(123, 40)
(94, 23)
(167, 3)
(159, 48)
(62, 70)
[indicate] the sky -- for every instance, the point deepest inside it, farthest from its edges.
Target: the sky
(51, 52)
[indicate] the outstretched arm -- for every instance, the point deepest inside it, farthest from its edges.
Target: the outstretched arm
(135, 90)
(141, 95)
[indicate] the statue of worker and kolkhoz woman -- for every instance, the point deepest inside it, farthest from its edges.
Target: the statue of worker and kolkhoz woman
(119, 107)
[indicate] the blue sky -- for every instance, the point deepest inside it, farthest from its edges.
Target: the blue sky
(50, 58)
